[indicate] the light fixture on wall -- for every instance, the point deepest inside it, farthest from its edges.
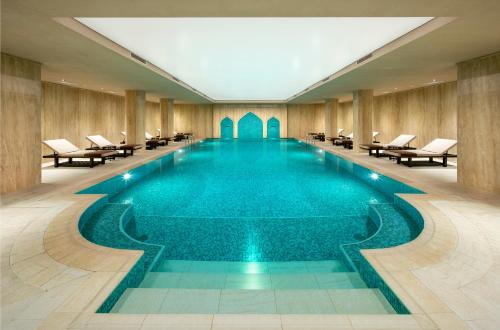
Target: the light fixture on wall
(63, 81)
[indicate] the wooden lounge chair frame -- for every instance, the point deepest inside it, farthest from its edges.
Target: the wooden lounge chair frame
(72, 152)
(399, 154)
(128, 149)
(426, 152)
(376, 147)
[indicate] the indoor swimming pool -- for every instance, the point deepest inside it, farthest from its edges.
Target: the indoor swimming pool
(256, 226)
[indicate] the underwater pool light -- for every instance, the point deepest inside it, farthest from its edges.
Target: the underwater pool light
(127, 176)
(374, 176)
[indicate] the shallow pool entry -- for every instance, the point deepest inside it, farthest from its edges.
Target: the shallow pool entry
(251, 226)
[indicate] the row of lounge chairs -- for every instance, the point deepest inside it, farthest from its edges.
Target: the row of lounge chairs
(102, 149)
(399, 149)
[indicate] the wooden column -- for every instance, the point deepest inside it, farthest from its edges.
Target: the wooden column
(167, 117)
(362, 117)
(20, 124)
(478, 120)
(331, 106)
(135, 104)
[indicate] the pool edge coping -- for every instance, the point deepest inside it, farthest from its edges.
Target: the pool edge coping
(376, 257)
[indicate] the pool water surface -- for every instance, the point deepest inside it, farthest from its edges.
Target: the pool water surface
(272, 221)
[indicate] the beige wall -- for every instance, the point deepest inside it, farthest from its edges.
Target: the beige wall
(152, 118)
(428, 112)
(193, 118)
(20, 116)
(305, 118)
(344, 117)
(236, 111)
(479, 123)
(73, 113)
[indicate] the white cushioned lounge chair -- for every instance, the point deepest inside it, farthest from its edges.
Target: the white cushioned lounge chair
(438, 148)
(100, 143)
(401, 142)
(62, 148)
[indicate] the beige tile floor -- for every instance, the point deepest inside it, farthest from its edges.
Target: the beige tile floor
(51, 278)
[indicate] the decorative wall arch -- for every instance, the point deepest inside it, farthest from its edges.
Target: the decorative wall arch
(226, 129)
(250, 127)
(273, 128)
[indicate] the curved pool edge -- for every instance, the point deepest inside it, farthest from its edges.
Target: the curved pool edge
(393, 264)
(368, 273)
(378, 258)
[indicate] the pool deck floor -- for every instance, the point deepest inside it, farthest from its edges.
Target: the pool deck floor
(52, 278)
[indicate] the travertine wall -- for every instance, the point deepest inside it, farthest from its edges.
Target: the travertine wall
(344, 117)
(428, 112)
(479, 123)
(20, 116)
(152, 118)
(194, 118)
(73, 113)
(305, 118)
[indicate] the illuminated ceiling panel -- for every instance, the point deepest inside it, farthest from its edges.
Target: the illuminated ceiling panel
(252, 58)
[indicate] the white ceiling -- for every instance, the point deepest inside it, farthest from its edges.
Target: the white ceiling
(252, 58)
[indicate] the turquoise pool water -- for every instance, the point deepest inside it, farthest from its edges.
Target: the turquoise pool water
(239, 220)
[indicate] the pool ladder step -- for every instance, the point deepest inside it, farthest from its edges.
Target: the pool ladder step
(225, 301)
(322, 280)
(185, 266)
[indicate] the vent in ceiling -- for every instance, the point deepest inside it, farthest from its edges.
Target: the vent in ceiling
(137, 57)
(364, 58)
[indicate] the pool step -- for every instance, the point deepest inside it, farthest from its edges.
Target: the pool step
(322, 280)
(392, 220)
(199, 301)
(188, 266)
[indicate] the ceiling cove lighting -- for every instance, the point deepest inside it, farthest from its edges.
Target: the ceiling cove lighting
(234, 59)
